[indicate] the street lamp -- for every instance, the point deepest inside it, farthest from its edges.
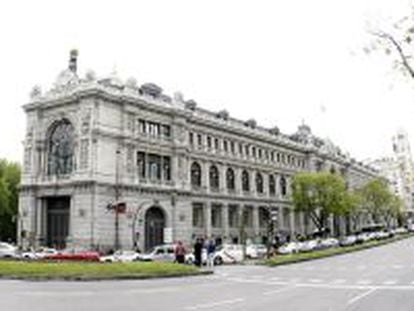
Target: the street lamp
(134, 220)
(272, 222)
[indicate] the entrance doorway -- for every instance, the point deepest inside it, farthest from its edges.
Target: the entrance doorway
(154, 227)
(57, 221)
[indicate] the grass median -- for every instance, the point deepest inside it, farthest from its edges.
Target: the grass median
(299, 257)
(93, 271)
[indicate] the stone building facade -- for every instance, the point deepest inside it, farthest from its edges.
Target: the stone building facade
(181, 171)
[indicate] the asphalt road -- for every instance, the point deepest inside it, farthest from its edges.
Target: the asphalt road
(376, 279)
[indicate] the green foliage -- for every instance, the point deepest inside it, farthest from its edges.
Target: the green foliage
(378, 200)
(319, 195)
(9, 194)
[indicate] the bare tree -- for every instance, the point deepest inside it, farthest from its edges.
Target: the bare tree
(397, 42)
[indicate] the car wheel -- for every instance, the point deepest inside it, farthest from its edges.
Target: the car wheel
(218, 261)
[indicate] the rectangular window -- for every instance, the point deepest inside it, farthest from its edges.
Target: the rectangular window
(246, 150)
(141, 126)
(199, 140)
(154, 166)
(260, 153)
(233, 217)
(208, 142)
(216, 144)
(240, 149)
(141, 164)
(198, 215)
(254, 152)
(225, 145)
(272, 156)
(232, 149)
(216, 216)
(166, 131)
(191, 138)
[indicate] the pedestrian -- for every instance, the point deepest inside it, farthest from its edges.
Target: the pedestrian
(180, 253)
(211, 249)
(198, 248)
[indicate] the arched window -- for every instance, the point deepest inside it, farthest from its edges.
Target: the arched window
(214, 177)
(272, 185)
(195, 175)
(283, 189)
(259, 183)
(245, 181)
(230, 179)
(60, 149)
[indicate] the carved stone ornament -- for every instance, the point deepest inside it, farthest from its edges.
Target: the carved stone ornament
(86, 121)
(36, 92)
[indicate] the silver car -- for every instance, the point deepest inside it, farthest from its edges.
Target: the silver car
(165, 252)
(7, 250)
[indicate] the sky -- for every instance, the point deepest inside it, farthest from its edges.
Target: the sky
(279, 62)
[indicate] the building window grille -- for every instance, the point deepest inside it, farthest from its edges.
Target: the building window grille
(216, 216)
(154, 166)
(283, 188)
(272, 185)
(214, 177)
(245, 181)
(195, 175)
(198, 215)
(230, 179)
(60, 153)
(259, 183)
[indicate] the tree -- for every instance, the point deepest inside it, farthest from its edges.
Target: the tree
(397, 42)
(377, 199)
(320, 195)
(9, 194)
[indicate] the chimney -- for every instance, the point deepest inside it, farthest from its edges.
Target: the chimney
(73, 60)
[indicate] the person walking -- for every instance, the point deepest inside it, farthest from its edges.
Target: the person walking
(198, 248)
(211, 249)
(180, 253)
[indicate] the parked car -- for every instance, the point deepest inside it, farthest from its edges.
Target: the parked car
(348, 240)
(255, 251)
(8, 251)
(327, 243)
(289, 248)
(121, 256)
(72, 255)
(38, 254)
(228, 253)
(362, 237)
(308, 246)
(190, 258)
(163, 252)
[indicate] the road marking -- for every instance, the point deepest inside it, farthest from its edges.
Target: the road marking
(389, 282)
(397, 266)
(358, 297)
(276, 278)
(364, 282)
(276, 291)
(215, 304)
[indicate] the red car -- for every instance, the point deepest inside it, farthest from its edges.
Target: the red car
(74, 256)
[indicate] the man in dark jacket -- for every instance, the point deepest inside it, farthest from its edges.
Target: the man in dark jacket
(198, 249)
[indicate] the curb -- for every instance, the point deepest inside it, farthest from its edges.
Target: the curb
(297, 260)
(94, 279)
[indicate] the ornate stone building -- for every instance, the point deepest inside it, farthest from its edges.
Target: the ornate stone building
(182, 171)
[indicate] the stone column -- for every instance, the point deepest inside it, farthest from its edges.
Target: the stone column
(207, 214)
(225, 218)
(256, 227)
(291, 222)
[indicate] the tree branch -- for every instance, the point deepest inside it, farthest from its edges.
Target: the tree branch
(397, 46)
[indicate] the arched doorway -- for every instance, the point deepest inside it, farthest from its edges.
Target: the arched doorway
(154, 227)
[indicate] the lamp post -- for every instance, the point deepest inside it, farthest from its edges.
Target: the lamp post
(117, 195)
(134, 221)
(271, 228)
